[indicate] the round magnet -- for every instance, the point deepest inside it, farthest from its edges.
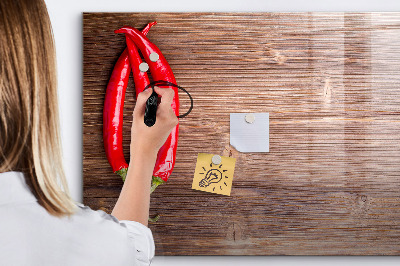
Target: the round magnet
(154, 57)
(250, 118)
(216, 159)
(143, 67)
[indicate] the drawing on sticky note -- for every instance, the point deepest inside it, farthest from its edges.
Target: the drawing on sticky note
(214, 175)
(214, 178)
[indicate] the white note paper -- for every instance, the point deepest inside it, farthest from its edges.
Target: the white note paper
(249, 137)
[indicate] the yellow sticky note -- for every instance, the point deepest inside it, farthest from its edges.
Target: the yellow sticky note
(214, 178)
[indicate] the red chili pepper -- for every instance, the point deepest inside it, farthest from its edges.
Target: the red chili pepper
(160, 70)
(113, 112)
(140, 78)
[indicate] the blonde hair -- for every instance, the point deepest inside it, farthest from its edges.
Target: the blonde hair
(29, 122)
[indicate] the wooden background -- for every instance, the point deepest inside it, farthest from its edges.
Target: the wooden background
(330, 184)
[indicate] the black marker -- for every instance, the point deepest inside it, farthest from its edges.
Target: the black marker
(152, 102)
(151, 109)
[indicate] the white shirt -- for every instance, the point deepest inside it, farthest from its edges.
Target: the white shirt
(29, 235)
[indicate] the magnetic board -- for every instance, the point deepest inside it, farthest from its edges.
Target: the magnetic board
(331, 85)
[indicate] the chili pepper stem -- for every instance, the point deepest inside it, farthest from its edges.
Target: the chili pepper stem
(122, 172)
(155, 182)
(154, 219)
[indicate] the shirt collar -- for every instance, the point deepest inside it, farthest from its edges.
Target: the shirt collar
(13, 188)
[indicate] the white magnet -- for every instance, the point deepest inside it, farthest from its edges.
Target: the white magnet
(216, 159)
(250, 118)
(154, 57)
(143, 67)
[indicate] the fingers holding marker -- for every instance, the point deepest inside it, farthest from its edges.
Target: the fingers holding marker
(167, 95)
(140, 106)
(165, 110)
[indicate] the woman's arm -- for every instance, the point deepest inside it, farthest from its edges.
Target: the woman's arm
(134, 201)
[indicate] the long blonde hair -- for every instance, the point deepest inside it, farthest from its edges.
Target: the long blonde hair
(29, 121)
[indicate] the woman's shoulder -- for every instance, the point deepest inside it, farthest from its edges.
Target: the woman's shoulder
(90, 216)
(86, 212)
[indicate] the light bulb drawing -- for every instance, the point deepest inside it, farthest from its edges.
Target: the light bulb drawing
(213, 176)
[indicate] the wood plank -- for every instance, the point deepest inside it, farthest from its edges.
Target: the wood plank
(331, 84)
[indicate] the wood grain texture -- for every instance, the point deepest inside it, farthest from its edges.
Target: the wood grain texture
(330, 184)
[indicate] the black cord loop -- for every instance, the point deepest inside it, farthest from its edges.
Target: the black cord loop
(167, 83)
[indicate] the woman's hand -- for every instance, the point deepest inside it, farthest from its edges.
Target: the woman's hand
(134, 201)
(148, 140)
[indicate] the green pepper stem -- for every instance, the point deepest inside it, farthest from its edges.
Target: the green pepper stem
(155, 182)
(154, 219)
(122, 172)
